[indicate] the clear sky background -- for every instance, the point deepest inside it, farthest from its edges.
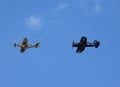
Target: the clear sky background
(55, 24)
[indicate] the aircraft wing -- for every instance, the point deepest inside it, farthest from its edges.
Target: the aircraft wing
(22, 50)
(83, 39)
(80, 49)
(25, 41)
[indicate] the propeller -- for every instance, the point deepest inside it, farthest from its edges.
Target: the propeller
(72, 44)
(15, 43)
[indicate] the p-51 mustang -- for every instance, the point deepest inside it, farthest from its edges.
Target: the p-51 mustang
(24, 45)
(83, 43)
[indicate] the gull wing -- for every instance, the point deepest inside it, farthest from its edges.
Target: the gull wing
(25, 41)
(80, 49)
(22, 50)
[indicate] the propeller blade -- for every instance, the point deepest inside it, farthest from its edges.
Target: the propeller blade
(72, 44)
(15, 43)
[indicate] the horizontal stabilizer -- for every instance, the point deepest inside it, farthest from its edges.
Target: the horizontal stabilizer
(97, 43)
(37, 45)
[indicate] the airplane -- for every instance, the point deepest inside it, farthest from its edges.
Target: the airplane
(83, 43)
(24, 45)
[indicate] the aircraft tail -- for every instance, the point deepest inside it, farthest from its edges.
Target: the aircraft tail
(37, 45)
(97, 43)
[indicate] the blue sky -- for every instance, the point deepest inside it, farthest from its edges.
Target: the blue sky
(55, 23)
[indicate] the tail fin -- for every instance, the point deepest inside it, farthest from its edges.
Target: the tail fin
(97, 43)
(37, 45)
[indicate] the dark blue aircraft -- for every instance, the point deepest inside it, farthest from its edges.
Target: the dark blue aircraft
(83, 43)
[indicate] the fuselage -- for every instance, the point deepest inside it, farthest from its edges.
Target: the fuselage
(24, 46)
(81, 44)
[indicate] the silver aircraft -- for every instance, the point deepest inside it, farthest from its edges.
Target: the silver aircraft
(24, 45)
